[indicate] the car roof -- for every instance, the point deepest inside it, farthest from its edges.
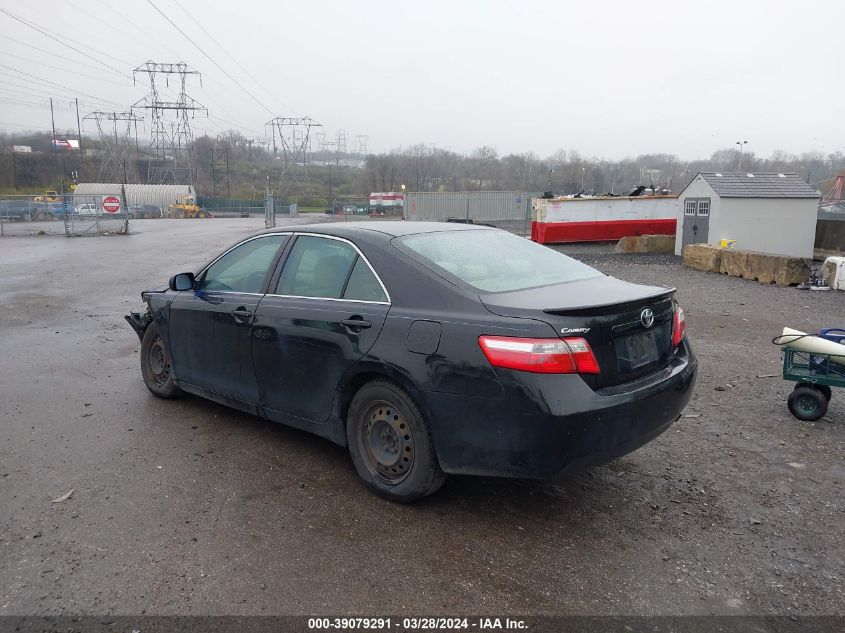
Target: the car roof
(390, 228)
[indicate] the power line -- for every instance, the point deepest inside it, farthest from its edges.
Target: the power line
(125, 20)
(58, 85)
(36, 28)
(111, 68)
(188, 37)
(64, 38)
(240, 127)
(25, 127)
(43, 93)
(237, 63)
(64, 70)
(29, 104)
(30, 46)
(213, 98)
(29, 91)
(26, 23)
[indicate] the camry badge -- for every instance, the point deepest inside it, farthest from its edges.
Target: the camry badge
(647, 317)
(574, 330)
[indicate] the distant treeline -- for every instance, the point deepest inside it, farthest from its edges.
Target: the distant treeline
(419, 168)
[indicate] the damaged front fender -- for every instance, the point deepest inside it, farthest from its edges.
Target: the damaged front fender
(139, 322)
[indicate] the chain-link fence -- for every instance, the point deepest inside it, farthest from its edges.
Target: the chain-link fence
(231, 207)
(64, 214)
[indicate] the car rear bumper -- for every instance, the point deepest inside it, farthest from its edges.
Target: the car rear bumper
(551, 425)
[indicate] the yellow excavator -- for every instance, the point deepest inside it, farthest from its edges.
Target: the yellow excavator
(187, 207)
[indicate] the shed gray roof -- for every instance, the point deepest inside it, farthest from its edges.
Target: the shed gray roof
(745, 185)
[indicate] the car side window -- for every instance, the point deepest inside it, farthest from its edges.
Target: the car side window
(362, 284)
(328, 269)
(316, 267)
(244, 267)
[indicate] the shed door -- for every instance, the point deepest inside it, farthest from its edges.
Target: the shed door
(696, 220)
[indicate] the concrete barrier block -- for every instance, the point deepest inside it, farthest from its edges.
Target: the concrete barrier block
(734, 263)
(646, 244)
(703, 257)
(776, 269)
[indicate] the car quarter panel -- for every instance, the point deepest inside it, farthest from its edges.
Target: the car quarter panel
(456, 364)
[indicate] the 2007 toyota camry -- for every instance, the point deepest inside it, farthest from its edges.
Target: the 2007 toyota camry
(425, 348)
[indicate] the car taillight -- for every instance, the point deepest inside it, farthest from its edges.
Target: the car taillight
(540, 355)
(679, 326)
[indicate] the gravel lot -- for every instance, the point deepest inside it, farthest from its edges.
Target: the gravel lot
(186, 507)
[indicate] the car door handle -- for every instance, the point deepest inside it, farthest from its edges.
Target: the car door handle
(356, 324)
(241, 315)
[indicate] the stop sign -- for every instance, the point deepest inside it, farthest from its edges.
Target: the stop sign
(111, 204)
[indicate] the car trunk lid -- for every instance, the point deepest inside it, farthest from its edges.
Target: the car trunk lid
(628, 326)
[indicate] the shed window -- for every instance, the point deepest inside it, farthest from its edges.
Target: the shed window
(703, 207)
(689, 207)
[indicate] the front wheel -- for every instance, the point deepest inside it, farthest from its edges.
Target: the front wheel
(391, 444)
(807, 403)
(156, 366)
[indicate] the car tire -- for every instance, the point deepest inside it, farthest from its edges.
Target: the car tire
(156, 366)
(826, 390)
(807, 403)
(391, 444)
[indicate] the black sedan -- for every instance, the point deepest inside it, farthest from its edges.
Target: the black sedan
(425, 348)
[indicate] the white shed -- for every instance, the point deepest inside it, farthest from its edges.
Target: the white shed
(768, 213)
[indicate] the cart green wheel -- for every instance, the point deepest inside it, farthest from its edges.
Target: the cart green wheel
(826, 391)
(807, 403)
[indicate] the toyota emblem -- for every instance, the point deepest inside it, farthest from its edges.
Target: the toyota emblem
(647, 317)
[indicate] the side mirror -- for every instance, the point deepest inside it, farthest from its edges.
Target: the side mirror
(182, 281)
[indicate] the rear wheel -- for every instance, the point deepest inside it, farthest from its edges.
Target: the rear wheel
(391, 444)
(807, 403)
(826, 391)
(156, 366)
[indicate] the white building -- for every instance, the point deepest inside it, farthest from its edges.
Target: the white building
(768, 213)
(158, 195)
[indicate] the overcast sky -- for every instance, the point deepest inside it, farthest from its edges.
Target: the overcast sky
(609, 79)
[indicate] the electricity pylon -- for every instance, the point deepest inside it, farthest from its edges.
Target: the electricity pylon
(292, 145)
(115, 130)
(170, 140)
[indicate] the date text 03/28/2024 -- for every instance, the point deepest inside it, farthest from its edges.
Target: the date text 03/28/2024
(415, 624)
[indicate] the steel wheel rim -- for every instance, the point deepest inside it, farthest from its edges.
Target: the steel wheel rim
(386, 443)
(807, 404)
(158, 362)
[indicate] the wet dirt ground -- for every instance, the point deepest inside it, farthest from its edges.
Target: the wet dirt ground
(187, 507)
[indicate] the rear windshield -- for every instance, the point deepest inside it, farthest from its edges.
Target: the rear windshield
(496, 261)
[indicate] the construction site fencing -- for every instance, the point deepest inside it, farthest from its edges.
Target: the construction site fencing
(231, 207)
(509, 210)
(68, 214)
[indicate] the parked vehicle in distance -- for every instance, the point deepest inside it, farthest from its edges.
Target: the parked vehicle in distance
(17, 210)
(425, 348)
(88, 208)
(138, 211)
